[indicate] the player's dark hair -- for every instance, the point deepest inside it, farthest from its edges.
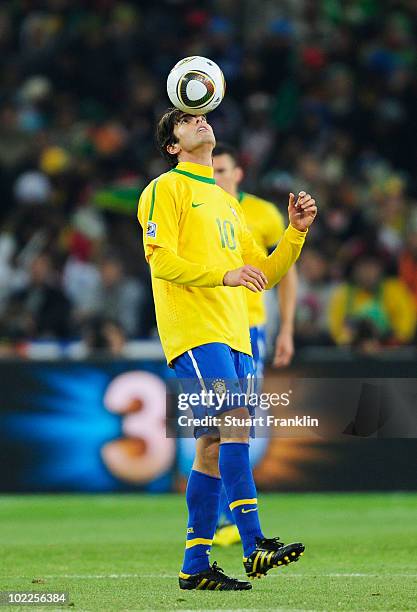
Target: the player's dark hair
(165, 133)
(225, 149)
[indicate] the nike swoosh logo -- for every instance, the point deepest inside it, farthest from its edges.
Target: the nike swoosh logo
(250, 510)
(194, 205)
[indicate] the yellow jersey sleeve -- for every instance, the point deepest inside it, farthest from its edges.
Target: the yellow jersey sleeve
(170, 267)
(277, 264)
(158, 213)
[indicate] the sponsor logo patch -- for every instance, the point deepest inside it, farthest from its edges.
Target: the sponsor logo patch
(151, 229)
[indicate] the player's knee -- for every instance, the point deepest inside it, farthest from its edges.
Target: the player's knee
(207, 456)
(212, 454)
(235, 425)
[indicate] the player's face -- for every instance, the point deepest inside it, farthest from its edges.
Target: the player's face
(226, 173)
(192, 132)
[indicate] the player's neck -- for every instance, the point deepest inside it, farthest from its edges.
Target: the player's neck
(201, 156)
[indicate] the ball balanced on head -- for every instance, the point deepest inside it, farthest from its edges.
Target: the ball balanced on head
(196, 85)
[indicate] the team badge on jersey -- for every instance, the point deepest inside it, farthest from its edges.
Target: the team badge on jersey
(219, 386)
(151, 229)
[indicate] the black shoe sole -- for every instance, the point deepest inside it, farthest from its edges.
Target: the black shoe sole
(188, 585)
(292, 554)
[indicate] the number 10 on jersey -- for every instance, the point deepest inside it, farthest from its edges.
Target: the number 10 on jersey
(227, 234)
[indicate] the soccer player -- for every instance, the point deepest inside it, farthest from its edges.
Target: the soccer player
(266, 224)
(203, 260)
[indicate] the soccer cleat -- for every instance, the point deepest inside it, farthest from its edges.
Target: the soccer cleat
(226, 536)
(271, 553)
(213, 579)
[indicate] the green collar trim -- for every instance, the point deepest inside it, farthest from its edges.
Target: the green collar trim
(196, 177)
(240, 196)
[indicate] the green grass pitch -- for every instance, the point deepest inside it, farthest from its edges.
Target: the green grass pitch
(123, 552)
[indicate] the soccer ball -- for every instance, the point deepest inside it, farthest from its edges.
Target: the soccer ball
(196, 85)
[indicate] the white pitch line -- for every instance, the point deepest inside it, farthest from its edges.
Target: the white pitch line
(174, 576)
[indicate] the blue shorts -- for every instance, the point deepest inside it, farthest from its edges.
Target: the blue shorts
(258, 342)
(215, 366)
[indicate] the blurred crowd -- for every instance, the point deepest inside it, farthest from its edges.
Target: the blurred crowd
(320, 96)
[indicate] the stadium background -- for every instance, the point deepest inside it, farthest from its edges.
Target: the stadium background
(320, 96)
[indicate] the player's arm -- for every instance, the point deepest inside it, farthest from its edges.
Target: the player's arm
(273, 224)
(159, 212)
(301, 215)
(287, 296)
(170, 267)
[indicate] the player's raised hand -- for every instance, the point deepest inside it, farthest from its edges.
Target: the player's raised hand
(247, 276)
(301, 210)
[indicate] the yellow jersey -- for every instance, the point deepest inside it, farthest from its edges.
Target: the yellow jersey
(193, 233)
(391, 308)
(266, 225)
